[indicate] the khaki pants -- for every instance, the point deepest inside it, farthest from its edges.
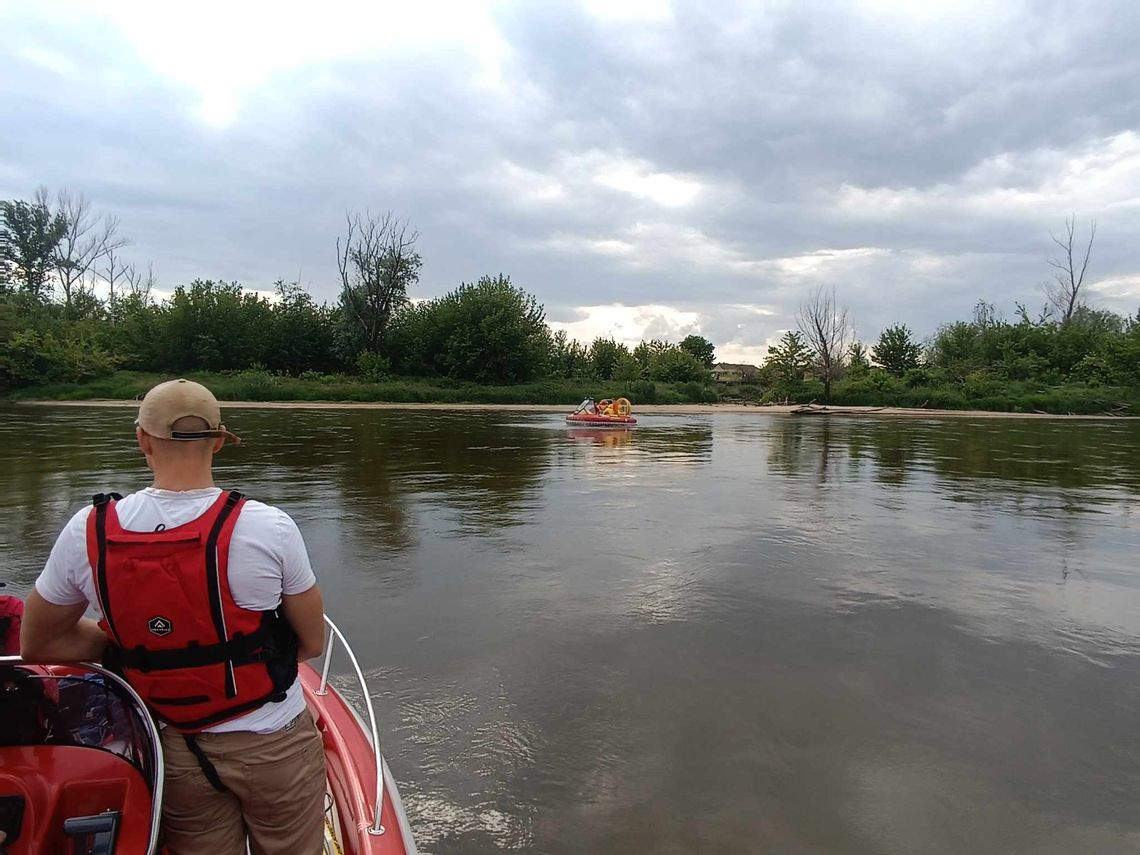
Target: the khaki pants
(276, 792)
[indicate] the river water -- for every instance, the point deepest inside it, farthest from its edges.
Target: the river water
(714, 633)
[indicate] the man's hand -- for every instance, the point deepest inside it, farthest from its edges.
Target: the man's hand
(53, 633)
(306, 614)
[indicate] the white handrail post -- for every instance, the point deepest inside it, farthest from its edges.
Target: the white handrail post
(323, 688)
(376, 828)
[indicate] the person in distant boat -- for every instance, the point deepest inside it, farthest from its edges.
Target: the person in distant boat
(205, 602)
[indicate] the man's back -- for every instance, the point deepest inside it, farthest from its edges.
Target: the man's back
(267, 559)
(260, 774)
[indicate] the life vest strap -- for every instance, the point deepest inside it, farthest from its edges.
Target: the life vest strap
(208, 768)
(240, 650)
(213, 579)
(102, 501)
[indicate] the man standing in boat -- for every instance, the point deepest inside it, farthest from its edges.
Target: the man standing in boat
(205, 601)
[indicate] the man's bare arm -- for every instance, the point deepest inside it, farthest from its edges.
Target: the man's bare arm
(52, 633)
(306, 614)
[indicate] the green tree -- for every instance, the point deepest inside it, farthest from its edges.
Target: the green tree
(499, 334)
(604, 356)
(676, 365)
(214, 325)
(301, 336)
(789, 360)
(489, 331)
(568, 356)
(627, 369)
(701, 348)
(138, 333)
(896, 352)
(858, 365)
(646, 352)
(956, 349)
(29, 235)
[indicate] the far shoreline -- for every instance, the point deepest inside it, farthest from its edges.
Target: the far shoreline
(654, 409)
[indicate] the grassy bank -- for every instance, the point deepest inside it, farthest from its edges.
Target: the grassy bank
(879, 391)
(264, 386)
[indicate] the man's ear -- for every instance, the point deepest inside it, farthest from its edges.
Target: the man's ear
(219, 444)
(145, 444)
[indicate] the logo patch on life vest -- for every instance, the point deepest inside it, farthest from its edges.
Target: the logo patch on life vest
(159, 625)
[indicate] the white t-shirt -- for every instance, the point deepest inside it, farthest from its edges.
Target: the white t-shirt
(267, 559)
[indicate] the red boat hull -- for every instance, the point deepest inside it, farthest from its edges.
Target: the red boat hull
(594, 420)
(352, 775)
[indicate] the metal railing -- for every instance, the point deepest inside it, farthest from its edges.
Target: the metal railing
(334, 633)
(157, 765)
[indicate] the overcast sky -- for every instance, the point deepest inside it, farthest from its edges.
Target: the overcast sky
(646, 169)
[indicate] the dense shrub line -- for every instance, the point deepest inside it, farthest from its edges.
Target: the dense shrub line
(490, 333)
(261, 385)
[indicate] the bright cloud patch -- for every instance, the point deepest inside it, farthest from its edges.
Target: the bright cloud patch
(740, 332)
(1101, 174)
(1120, 290)
(630, 324)
(255, 43)
(659, 187)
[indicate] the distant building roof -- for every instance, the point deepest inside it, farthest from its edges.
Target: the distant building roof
(734, 371)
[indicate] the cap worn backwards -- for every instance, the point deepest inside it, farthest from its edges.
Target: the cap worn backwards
(167, 403)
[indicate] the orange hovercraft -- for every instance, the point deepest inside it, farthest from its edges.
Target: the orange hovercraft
(604, 413)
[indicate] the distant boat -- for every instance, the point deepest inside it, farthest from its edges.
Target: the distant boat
(604, 413)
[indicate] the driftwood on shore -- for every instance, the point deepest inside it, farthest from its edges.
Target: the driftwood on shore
(813, 410)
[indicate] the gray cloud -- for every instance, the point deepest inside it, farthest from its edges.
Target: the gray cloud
(718, 157)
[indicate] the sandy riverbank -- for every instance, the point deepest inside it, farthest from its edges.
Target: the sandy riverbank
(656, 409)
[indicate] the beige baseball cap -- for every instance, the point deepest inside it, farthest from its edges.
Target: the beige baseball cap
(168, 402)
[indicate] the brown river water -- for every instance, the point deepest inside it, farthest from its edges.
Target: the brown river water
(714, 633)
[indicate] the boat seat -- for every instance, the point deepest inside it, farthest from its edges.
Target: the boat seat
(62, 785)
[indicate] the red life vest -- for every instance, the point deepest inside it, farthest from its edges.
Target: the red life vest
(194, 655)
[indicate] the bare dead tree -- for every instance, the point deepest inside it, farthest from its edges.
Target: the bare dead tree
(113, 271)
(1064, 292)
(377, 260)
(139, 283)
(829, 335)
(86, 240)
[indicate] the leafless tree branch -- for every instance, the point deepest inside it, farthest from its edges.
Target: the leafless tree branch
(1064, 292)
(377, 261)
(114, 270)
(828, 332)
(140, 283)
(87, 239)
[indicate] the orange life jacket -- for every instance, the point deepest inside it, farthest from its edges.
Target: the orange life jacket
(177, 636)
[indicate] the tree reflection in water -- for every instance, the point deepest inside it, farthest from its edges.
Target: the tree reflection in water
(987, 455)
